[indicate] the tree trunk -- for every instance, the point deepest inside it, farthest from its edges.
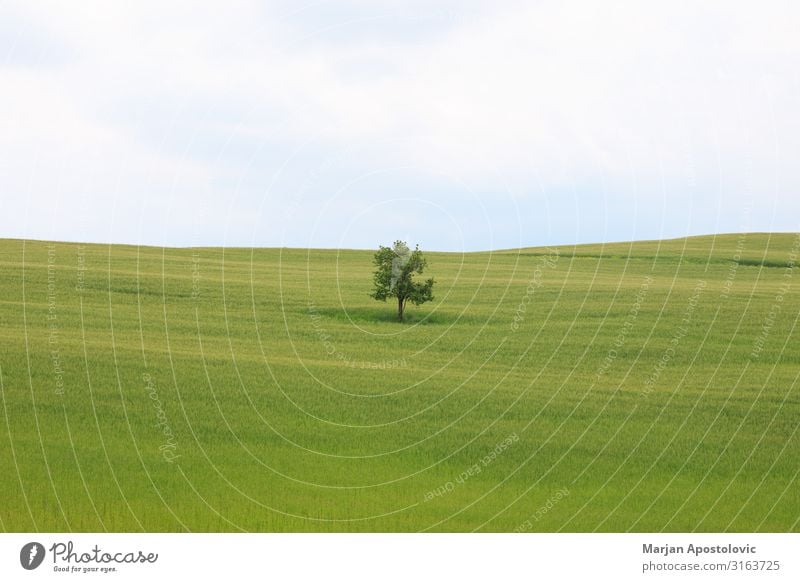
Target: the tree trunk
(400, 309)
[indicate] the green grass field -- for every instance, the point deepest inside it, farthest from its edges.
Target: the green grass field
(649, 386)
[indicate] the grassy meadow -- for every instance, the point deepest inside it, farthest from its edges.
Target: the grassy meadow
(648, 386)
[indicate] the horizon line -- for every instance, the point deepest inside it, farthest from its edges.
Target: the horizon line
(503, 250)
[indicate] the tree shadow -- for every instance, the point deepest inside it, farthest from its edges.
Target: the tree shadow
(386, 314)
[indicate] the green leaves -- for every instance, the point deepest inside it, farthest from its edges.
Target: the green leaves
(396, 267)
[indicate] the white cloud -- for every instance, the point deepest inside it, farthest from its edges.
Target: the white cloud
(193, 114)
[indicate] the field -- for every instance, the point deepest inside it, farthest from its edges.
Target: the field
(648, 386)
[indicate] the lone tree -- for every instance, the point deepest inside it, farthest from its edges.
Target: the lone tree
(394, 276)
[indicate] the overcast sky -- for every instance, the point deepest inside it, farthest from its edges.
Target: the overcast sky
(459, 125)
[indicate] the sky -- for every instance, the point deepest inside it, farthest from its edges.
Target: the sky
(457, 125)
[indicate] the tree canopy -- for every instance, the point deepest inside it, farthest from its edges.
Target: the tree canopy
(396, 268)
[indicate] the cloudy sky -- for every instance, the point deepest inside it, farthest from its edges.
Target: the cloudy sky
(459, 125)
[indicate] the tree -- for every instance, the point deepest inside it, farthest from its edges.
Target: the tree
(396, 267)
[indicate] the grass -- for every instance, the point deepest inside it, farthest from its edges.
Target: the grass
(648, 386)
